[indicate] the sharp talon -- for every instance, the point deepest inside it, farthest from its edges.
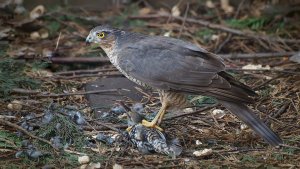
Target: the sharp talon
(129, 128)
(151, 125)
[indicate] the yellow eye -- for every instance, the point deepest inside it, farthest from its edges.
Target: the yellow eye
(100, 35)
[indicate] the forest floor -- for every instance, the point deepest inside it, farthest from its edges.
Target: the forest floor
(46, 120)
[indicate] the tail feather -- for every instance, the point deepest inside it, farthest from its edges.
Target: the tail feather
(248, 116)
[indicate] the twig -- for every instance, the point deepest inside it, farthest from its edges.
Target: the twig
(102, 128)
(7, 117)
(265, 70)
(77, 72)
(183, 22)
(87, 75)
(74, 60)
(256, 55)
(288, 146)
(228, 38)
(107, 126)
(191, 113)
(26, 132)
(210, 25)
(24, 91)
(240, 150)
(79, 93)
(279, 112)
(74, 152)
(266, 82)
(57, 42)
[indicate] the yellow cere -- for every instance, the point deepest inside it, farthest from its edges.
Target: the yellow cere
(100, 35)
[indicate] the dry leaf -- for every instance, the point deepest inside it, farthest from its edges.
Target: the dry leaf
(175, 11)
(144, 11)
(203, 153)
(37, 12)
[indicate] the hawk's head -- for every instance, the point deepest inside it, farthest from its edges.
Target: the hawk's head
(105, 36)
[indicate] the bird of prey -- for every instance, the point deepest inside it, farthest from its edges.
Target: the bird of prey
(176, 68)
(149, 140)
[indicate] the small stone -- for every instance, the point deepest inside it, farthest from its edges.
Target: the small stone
(15, 105)
(83, 159)
(198, 142)
(243, 127)
(218, 113)
(94, 165)
(117, 166)
(35, 35)
(84, 166)
(44, 33)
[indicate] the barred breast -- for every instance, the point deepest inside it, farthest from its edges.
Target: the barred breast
(175, 100)
(114, 60)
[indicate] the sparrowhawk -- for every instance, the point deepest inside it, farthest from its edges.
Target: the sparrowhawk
(177, 68)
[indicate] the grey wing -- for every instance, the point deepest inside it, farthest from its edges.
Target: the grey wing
(172, 64)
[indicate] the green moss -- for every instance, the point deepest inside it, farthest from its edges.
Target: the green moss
(251, 23)
(12, 75)
(9, 140)
(68, 130)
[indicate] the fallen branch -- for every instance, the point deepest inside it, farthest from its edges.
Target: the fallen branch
(24, 91)
(111, 126)
(78, 72)
(264, 70)
(79, 93)
(87, 75)
(67, 94)
(76, 60)
(229, 36)
(279, 112)
(210, 25)
(26, 132)
(256, 55)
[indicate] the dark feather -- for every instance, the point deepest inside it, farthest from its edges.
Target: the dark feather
(248, 117)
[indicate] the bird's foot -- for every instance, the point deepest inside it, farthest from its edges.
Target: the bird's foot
(151, 125)
(129, 128)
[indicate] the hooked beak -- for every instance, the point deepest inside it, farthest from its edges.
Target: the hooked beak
(88, 40)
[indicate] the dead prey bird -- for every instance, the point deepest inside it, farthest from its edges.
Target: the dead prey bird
(150, 140)
(177, 68)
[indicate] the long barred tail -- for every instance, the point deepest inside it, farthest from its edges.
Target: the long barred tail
(248, 116)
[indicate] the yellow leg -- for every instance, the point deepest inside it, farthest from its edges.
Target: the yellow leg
(156, 119)
(129, 128)
(161, 117)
